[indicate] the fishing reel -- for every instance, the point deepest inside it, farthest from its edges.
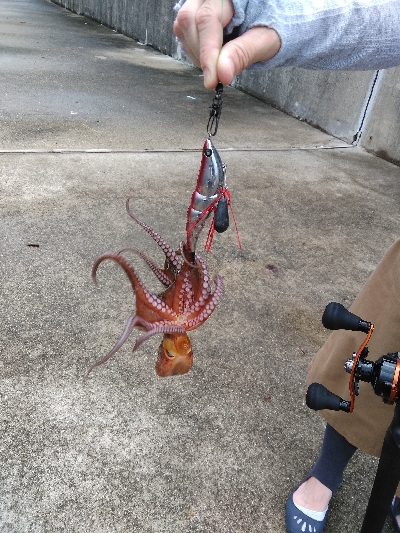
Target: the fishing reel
(383, 374)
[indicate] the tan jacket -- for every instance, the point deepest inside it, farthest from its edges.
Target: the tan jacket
(378, 302)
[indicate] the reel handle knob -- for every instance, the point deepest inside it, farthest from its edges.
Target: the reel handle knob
(336, 316)
(319, 397)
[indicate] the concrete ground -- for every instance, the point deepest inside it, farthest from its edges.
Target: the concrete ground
(88, 118)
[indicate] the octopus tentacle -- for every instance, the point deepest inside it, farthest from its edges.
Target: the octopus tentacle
(132, 322)
(184, 293)
(165, 247)
(149, 303)
(159, 327)
(198, 316)
(186, 282)
(203, 286)
(192, 288)
(160, 274)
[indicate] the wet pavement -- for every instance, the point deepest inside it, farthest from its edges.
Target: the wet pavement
(89, 117)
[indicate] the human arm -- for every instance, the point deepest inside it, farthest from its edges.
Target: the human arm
(199, 28)
(314, 34)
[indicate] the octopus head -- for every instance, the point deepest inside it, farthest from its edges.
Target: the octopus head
(175, 355)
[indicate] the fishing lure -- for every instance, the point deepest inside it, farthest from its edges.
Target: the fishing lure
(211, 196)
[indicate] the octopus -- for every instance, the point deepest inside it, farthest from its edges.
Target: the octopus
(184, 304)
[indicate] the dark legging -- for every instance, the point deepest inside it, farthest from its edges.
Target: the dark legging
(335, 454)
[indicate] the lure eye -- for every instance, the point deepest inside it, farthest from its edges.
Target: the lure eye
(208, 152)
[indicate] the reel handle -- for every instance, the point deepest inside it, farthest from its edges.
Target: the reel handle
(336, 316)
(319, 397)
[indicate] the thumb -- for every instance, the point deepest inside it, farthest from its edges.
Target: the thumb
(257, 44)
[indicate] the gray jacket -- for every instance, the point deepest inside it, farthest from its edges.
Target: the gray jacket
(325, 34)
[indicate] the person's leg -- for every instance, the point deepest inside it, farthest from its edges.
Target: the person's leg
(336, 452)
(395, 512)
(311, 499)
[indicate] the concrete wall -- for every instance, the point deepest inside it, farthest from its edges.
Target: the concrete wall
(147, 21)
(359, 107)
(333, 101)
(381, 132)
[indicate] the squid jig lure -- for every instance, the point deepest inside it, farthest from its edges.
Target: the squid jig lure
(211, 195)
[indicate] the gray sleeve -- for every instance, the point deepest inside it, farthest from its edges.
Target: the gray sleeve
(325, 34)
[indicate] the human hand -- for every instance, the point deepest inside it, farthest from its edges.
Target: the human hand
(198, 26)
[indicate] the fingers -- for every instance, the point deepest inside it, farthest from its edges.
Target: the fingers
(257, 44)
(210, 22)
(199, 26)
(185, 28)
